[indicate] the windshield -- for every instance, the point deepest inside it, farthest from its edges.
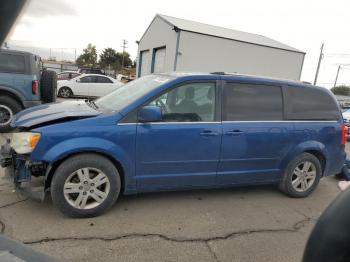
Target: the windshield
(129, 93)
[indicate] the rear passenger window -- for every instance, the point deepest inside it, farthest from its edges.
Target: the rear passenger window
(248, 102)
(101, 79)
(12, 63)
(310, 104)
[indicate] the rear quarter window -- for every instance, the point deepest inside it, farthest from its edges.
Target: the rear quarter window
(310, 103)
(12, 63)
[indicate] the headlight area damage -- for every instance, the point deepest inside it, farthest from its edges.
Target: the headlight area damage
(14, 158)
(30, 177)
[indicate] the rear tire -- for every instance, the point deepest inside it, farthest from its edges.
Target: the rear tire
(48, 86)
(302, 176)
(8, 108)
(85, 185)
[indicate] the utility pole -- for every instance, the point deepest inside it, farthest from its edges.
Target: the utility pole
(319, 64)
(336, 78)
(124, 47)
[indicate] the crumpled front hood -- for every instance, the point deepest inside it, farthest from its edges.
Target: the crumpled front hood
(51, 112)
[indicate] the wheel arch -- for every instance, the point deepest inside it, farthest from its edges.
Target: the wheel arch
(320, 156)
(54, 165)
(11, 93)
(59, 89)
(315, 148)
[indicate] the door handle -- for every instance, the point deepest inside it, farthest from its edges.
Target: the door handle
(208, 133)
(234, 133)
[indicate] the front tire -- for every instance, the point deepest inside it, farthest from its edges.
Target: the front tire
(85, 185)
(302, 176)
(65, 92)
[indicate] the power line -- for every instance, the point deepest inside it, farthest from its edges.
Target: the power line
(343, 83)
(336, 55)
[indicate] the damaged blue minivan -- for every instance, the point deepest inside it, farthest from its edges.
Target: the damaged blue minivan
(175, 132)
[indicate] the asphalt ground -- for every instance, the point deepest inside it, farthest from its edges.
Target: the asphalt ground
(238, 224)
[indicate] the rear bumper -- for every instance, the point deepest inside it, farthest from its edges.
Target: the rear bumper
(28, 104)
(335, 163)
(18, 169)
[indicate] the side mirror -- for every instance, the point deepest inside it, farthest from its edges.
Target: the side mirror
(78, 80)
(150, 114)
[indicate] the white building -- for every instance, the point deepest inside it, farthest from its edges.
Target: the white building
(173, 44)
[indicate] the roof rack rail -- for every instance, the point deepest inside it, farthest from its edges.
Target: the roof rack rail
(218, 73)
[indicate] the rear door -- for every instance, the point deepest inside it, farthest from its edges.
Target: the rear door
(255, 137)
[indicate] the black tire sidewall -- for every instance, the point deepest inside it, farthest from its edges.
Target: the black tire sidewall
(48, 86)
(14, 106)
(286, 183)
(65, 87)
(74, 163)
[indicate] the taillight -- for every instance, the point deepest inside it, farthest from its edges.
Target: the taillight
(35, 87)
(345, 134)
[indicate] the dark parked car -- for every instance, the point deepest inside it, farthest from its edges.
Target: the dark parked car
(87, 70)
(179, 131)
(22, 84)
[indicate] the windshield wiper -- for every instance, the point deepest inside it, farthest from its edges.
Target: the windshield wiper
(91, 103)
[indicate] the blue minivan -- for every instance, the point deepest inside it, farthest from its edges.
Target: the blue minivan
(175, 132)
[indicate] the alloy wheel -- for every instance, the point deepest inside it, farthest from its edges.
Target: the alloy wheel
(86, 188)
(304, 176)
(65, 93)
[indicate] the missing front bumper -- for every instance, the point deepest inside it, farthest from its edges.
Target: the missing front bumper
(27, 189)
(18, 169)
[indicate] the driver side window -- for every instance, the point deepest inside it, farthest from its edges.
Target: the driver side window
(87, 79)
(194, 102)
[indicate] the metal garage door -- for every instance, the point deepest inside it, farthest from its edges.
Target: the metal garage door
(159, 60)
(144, 63)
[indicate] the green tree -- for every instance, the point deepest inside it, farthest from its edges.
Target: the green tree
(127, 60)
(108, 57)
(341, 90)
(89, 57)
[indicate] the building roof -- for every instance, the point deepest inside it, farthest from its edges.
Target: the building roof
(192, 26)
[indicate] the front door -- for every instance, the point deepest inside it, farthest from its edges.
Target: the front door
(182, 150)
(83, 85)
(255, 137)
